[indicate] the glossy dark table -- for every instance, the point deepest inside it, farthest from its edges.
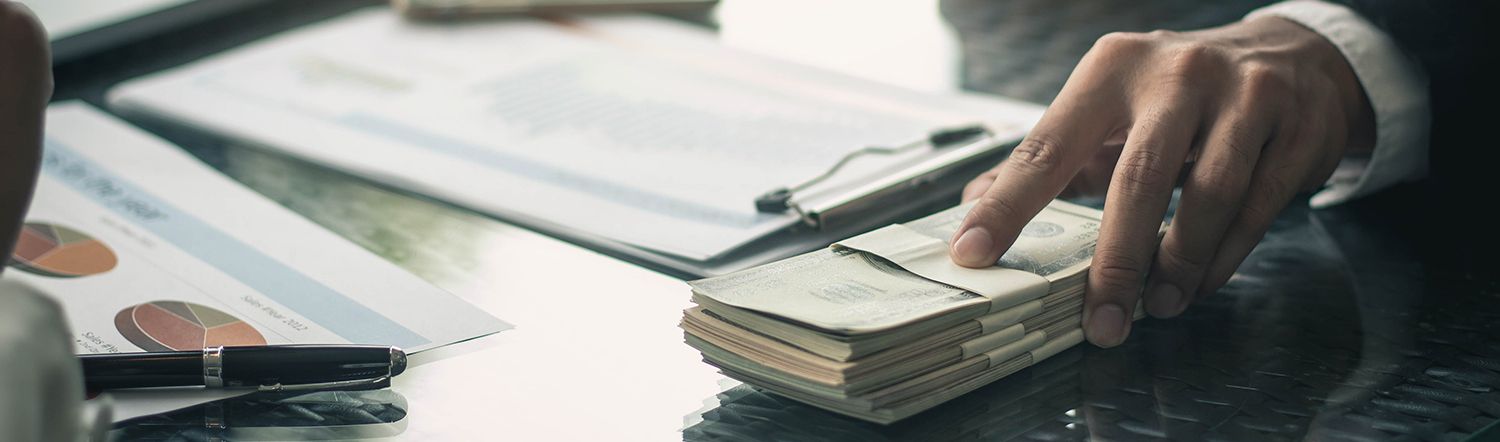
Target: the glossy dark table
(1336, 328)
(1331, 330)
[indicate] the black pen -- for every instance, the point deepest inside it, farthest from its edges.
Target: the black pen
(270, 367)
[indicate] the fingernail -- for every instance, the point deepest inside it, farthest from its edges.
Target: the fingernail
(1106, 327)
(1164, 300)
(972, 249)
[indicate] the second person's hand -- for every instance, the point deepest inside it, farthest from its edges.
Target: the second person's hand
(1246, 116)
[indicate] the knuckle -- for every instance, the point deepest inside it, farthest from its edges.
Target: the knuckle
(1241, 143)
(1037, 154)
(1190, 62)
(1257, 214)
(1123, 43)
(1215, 185)
(1277, 187)
(1161, 34)
(1261, 80)
(1143, 169)
(1262, 209)
(1181, 262)
(1117, 273)
(1250, 105)
(1118, 260)
(991, 209)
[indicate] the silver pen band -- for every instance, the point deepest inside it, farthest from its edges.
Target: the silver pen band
(396, 355)
(213, 367)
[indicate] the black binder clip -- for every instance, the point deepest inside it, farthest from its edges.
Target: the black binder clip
(774, 201)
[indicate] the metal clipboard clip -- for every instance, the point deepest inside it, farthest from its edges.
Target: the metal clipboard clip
(820, 214)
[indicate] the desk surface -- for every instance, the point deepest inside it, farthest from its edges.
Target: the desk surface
(1332, 330)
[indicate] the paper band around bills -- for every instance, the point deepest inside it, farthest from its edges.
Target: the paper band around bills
(991, 341)
(1001, 328)
(1031, 341)
(1057, 345)
(1036, 344)
(927, 257)
(997, 321)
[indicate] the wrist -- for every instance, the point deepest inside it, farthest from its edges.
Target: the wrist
(1316, 52)
(1360, 115)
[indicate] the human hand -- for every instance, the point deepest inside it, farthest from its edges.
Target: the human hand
(1244, 116)
(25, 86)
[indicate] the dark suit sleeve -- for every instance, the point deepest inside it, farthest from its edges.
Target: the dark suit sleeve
(1442, 35)
(1453, 42)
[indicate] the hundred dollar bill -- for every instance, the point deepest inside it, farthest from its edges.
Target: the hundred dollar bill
(1059, 240)
(847, 292)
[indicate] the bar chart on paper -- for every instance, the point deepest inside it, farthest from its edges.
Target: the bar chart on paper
(183, 326)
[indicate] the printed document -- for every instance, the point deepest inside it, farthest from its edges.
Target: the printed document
(149, 249)
(636, 129)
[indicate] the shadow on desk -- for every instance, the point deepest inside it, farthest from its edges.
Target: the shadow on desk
(1331, 330)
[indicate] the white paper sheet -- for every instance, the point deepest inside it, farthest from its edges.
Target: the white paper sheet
(150, 250)
(637, 129)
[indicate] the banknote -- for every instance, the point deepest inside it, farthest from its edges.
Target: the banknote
(837, 290)
(844, 291)
(1060, 238)
(884, 325)
(903, 399)
(922, 354)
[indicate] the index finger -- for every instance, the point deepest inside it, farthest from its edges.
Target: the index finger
(1037, 170)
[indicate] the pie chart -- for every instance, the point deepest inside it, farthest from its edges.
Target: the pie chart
(60, 252)
(183, 326)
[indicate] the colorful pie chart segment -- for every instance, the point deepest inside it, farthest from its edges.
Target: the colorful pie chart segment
(60, 252)
(183, 326)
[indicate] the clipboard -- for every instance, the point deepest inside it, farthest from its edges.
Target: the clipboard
(918, 191)
(686, 208)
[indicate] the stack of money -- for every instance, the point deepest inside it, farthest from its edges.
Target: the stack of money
(883, 325)
(1035, 400)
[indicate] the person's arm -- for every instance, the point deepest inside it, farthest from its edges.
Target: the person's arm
(25, 87)
(1395, 86)
(1250, 114)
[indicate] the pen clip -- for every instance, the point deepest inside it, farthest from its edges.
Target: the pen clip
(354, 384)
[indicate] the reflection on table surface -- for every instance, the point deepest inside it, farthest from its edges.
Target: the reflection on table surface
(324, 415)
(1332, 329)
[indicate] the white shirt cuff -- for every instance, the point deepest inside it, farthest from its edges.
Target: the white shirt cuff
(1397, 90)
